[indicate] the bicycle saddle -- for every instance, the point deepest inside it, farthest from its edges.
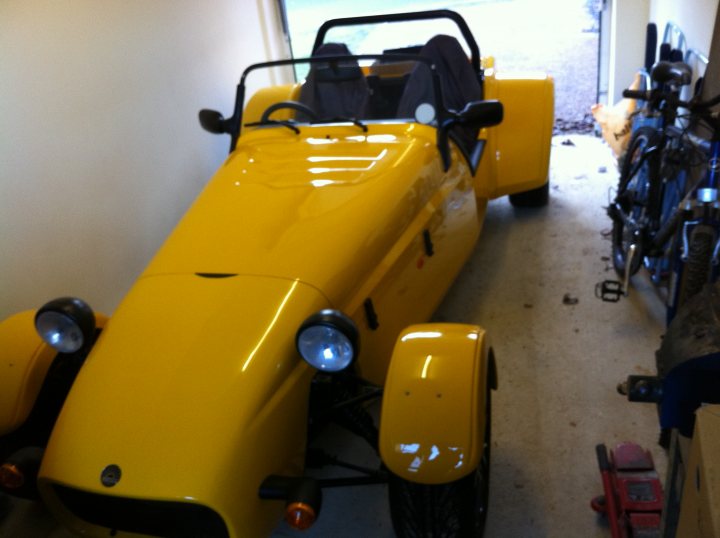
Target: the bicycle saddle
(677, 73)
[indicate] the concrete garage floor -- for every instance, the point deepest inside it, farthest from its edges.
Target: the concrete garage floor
(558, 365)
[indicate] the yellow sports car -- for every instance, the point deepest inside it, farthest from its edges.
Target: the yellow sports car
(295, 292)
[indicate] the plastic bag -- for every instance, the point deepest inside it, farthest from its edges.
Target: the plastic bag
(615, 120)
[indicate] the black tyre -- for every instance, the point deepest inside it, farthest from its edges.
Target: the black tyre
(639, 177)
(454, 510)
(533, 198)
(696, 272)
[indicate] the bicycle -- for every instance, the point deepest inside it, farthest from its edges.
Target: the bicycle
(665, 215)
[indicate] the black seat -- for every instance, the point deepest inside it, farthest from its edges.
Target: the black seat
(458, 81)
(335, 89)
(675, 73)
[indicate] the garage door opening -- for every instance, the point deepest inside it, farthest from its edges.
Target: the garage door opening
(559, 37)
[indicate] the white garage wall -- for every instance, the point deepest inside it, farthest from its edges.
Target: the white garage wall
(100, 148)
(628, 19)
(695, 18)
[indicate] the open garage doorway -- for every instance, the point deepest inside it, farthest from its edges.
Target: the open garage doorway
(559, 37)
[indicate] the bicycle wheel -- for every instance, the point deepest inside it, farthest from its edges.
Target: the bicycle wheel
(640, 171)
(696, 272)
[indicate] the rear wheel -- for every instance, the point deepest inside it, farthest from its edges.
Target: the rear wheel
(454, 510)
(639, 172)
(533, 198)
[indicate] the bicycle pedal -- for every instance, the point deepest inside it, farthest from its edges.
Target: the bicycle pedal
(609, 291)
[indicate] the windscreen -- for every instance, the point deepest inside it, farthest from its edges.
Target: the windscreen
(345, 89)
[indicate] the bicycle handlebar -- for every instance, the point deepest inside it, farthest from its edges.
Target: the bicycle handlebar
(636, 94)
(659, 99)
(658, 96)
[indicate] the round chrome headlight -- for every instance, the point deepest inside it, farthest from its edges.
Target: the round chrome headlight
(66, 324)
(328, 341)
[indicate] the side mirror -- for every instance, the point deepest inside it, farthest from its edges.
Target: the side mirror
(481, 114)
(213, 122)
(477, 114)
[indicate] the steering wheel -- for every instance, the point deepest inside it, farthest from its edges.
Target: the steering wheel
(300, 107)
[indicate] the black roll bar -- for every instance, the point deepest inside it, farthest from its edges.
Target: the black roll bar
(403, 17)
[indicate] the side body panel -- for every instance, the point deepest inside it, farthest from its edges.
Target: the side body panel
(433, 413)
(517, 156)
(409, 283)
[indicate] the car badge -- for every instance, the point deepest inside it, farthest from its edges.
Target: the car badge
(110, 476)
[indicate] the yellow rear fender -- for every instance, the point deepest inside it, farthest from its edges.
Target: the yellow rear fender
(434, 405)
(24, 363)
(517, 154)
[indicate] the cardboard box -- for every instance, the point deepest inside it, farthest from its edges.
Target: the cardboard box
(700, 507)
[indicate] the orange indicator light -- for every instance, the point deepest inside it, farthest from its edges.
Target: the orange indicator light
(11, 477)
(299, 515)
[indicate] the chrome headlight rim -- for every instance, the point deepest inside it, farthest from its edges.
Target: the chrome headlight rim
(332, 321)
(67, 324)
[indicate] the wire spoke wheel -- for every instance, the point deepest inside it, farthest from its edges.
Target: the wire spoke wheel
(639, 171)
(696, 272)
(453, 510)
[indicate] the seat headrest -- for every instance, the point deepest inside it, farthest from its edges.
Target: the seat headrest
(335, 71)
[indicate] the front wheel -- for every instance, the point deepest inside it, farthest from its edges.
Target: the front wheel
(696, 272)
(639, 180)
(454, 510)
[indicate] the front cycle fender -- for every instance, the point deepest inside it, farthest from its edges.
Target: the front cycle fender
(433, 412)
(24, 364)
(24, 361)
